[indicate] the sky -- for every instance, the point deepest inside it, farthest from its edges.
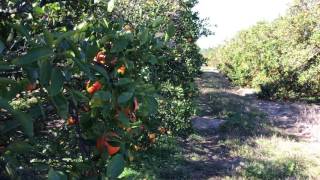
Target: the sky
(230, 16)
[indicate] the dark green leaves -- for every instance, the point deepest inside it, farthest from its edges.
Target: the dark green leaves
(144, 36)
(20, 147)
(116, 166)
(26, 122)
(33, 55)
(124, 97)
(2, 46)
(124, 119)
(56, 175)
(45, 72)
(100, 99)
(120, 45)
(57, 81)
(170, 31)
(7, 81)
(62, 105)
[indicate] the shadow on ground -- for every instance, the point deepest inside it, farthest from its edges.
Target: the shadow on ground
(208, 152)
(257, 140)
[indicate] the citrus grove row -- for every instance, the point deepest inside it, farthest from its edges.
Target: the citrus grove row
(86, 84)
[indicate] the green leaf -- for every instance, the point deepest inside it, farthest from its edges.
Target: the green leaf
(62, 105)
(171, 30)
(33, 55)
(5, 67)
(157, 21)
(153, 60)
(56, 175)
(57, 81)
(124, 97)
(48, 37)
(111, 5)
(144, 36)
(26, 122)
(116, 166)
(21, 29)
(24, 119)
(20, 147)
(8, 126)
(7, 81)
(45, 72)
(100, 98)
(79, 96)
(38, 10)
(123, 81)
(2, 46)
(102, 71)
(84, 68)
(119, 45)
(124, 119)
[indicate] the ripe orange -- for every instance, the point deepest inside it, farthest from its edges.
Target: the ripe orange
(162, 130)
(31, 86)
(152, 136)
(102, 144)
(112, 149)
(101, 57)
(127, 28)
(71, 121)
(121, 70)
(94, 88)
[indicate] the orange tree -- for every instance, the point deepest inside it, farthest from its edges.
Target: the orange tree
(81, 82)
(180, 59)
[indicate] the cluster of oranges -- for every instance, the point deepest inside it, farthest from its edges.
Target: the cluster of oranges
(103, 143)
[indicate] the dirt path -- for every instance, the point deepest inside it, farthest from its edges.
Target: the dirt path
(227, 113)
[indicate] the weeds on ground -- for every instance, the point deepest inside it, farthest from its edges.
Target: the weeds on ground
(276, 158)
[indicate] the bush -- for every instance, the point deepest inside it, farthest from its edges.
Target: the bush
(281, 58)
(81, 83)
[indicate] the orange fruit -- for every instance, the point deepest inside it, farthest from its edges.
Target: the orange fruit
(152, 136)
(162, 130)
(71, 121)
(127, 28)
(101, 57)
(102, 144)
(112, 150)
(121, 70)
(31, 86)
(94, 88)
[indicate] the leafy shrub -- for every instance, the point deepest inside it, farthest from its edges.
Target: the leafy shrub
(83, 81)
(281, 57)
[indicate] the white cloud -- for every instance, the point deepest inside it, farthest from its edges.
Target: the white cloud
(230, 16)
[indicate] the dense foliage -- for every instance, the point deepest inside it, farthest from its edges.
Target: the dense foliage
(282, 57)
(86, 83)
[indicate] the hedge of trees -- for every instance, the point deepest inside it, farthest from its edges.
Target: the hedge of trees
(281, 57)
(86, 83)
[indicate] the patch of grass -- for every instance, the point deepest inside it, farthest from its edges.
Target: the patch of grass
(163, 161)
(278, 158)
